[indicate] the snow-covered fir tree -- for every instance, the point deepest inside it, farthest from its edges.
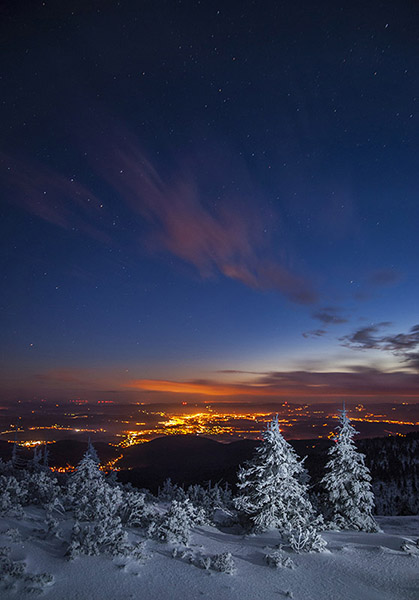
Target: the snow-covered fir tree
(45, 457)
(347, 483)
(91, 452)
(170, 491)
(97, 508)
(17, 461)
(273, 485)
(35, 463)
(41, 487)
(212, 499)
(88, 494)
(86, 473)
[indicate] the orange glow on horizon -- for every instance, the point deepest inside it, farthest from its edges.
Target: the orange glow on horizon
(225, 389)
(207, 389)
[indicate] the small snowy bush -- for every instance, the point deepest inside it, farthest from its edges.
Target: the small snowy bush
(205, 562)
(223, 563)
(306, 539)
(36, 582)
(175, 525)
(411, 547)
(41, 487)
(139, 551)
(12, 495)
(134, 511)
(185, 554)
(12, 571)
(278, 558)
(51, 529)
(103, 537)
(12, 534)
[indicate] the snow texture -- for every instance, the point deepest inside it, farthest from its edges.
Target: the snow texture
(358, 566)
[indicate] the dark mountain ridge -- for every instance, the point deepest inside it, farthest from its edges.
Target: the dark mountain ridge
(187, 459)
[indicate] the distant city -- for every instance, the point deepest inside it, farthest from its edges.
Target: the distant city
(122, 425)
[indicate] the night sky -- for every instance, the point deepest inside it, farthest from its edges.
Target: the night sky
(210, 200)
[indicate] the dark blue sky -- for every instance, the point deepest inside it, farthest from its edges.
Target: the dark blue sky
(223, 195)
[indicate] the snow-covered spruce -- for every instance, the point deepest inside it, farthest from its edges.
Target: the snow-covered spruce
(273, 486)
(211, 499)
(98, 508)
(349, 501)
(166, 491)
(170, 491)
(88, 494)
(17, 461)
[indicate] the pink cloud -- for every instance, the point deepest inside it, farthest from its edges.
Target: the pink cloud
(220, 235)
(206, 213)
(59, 200)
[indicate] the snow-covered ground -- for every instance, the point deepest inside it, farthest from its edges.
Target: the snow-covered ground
(357, 566)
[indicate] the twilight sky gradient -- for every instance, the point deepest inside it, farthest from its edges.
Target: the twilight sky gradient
(205, 200)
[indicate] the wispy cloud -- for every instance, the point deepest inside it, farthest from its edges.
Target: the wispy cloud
(381, 278)
(384, 277)
(329, 315)
(61, 201)
(365, 338)
(217, 232)
(201, 211)
(315, 333)
(403, 345)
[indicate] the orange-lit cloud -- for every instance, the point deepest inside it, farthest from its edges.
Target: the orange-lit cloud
(204, 388)
(198, 220)
(297, 384)
(194, 213)
(359, 383)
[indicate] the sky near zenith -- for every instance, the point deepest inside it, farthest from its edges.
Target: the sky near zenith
(209, 200)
